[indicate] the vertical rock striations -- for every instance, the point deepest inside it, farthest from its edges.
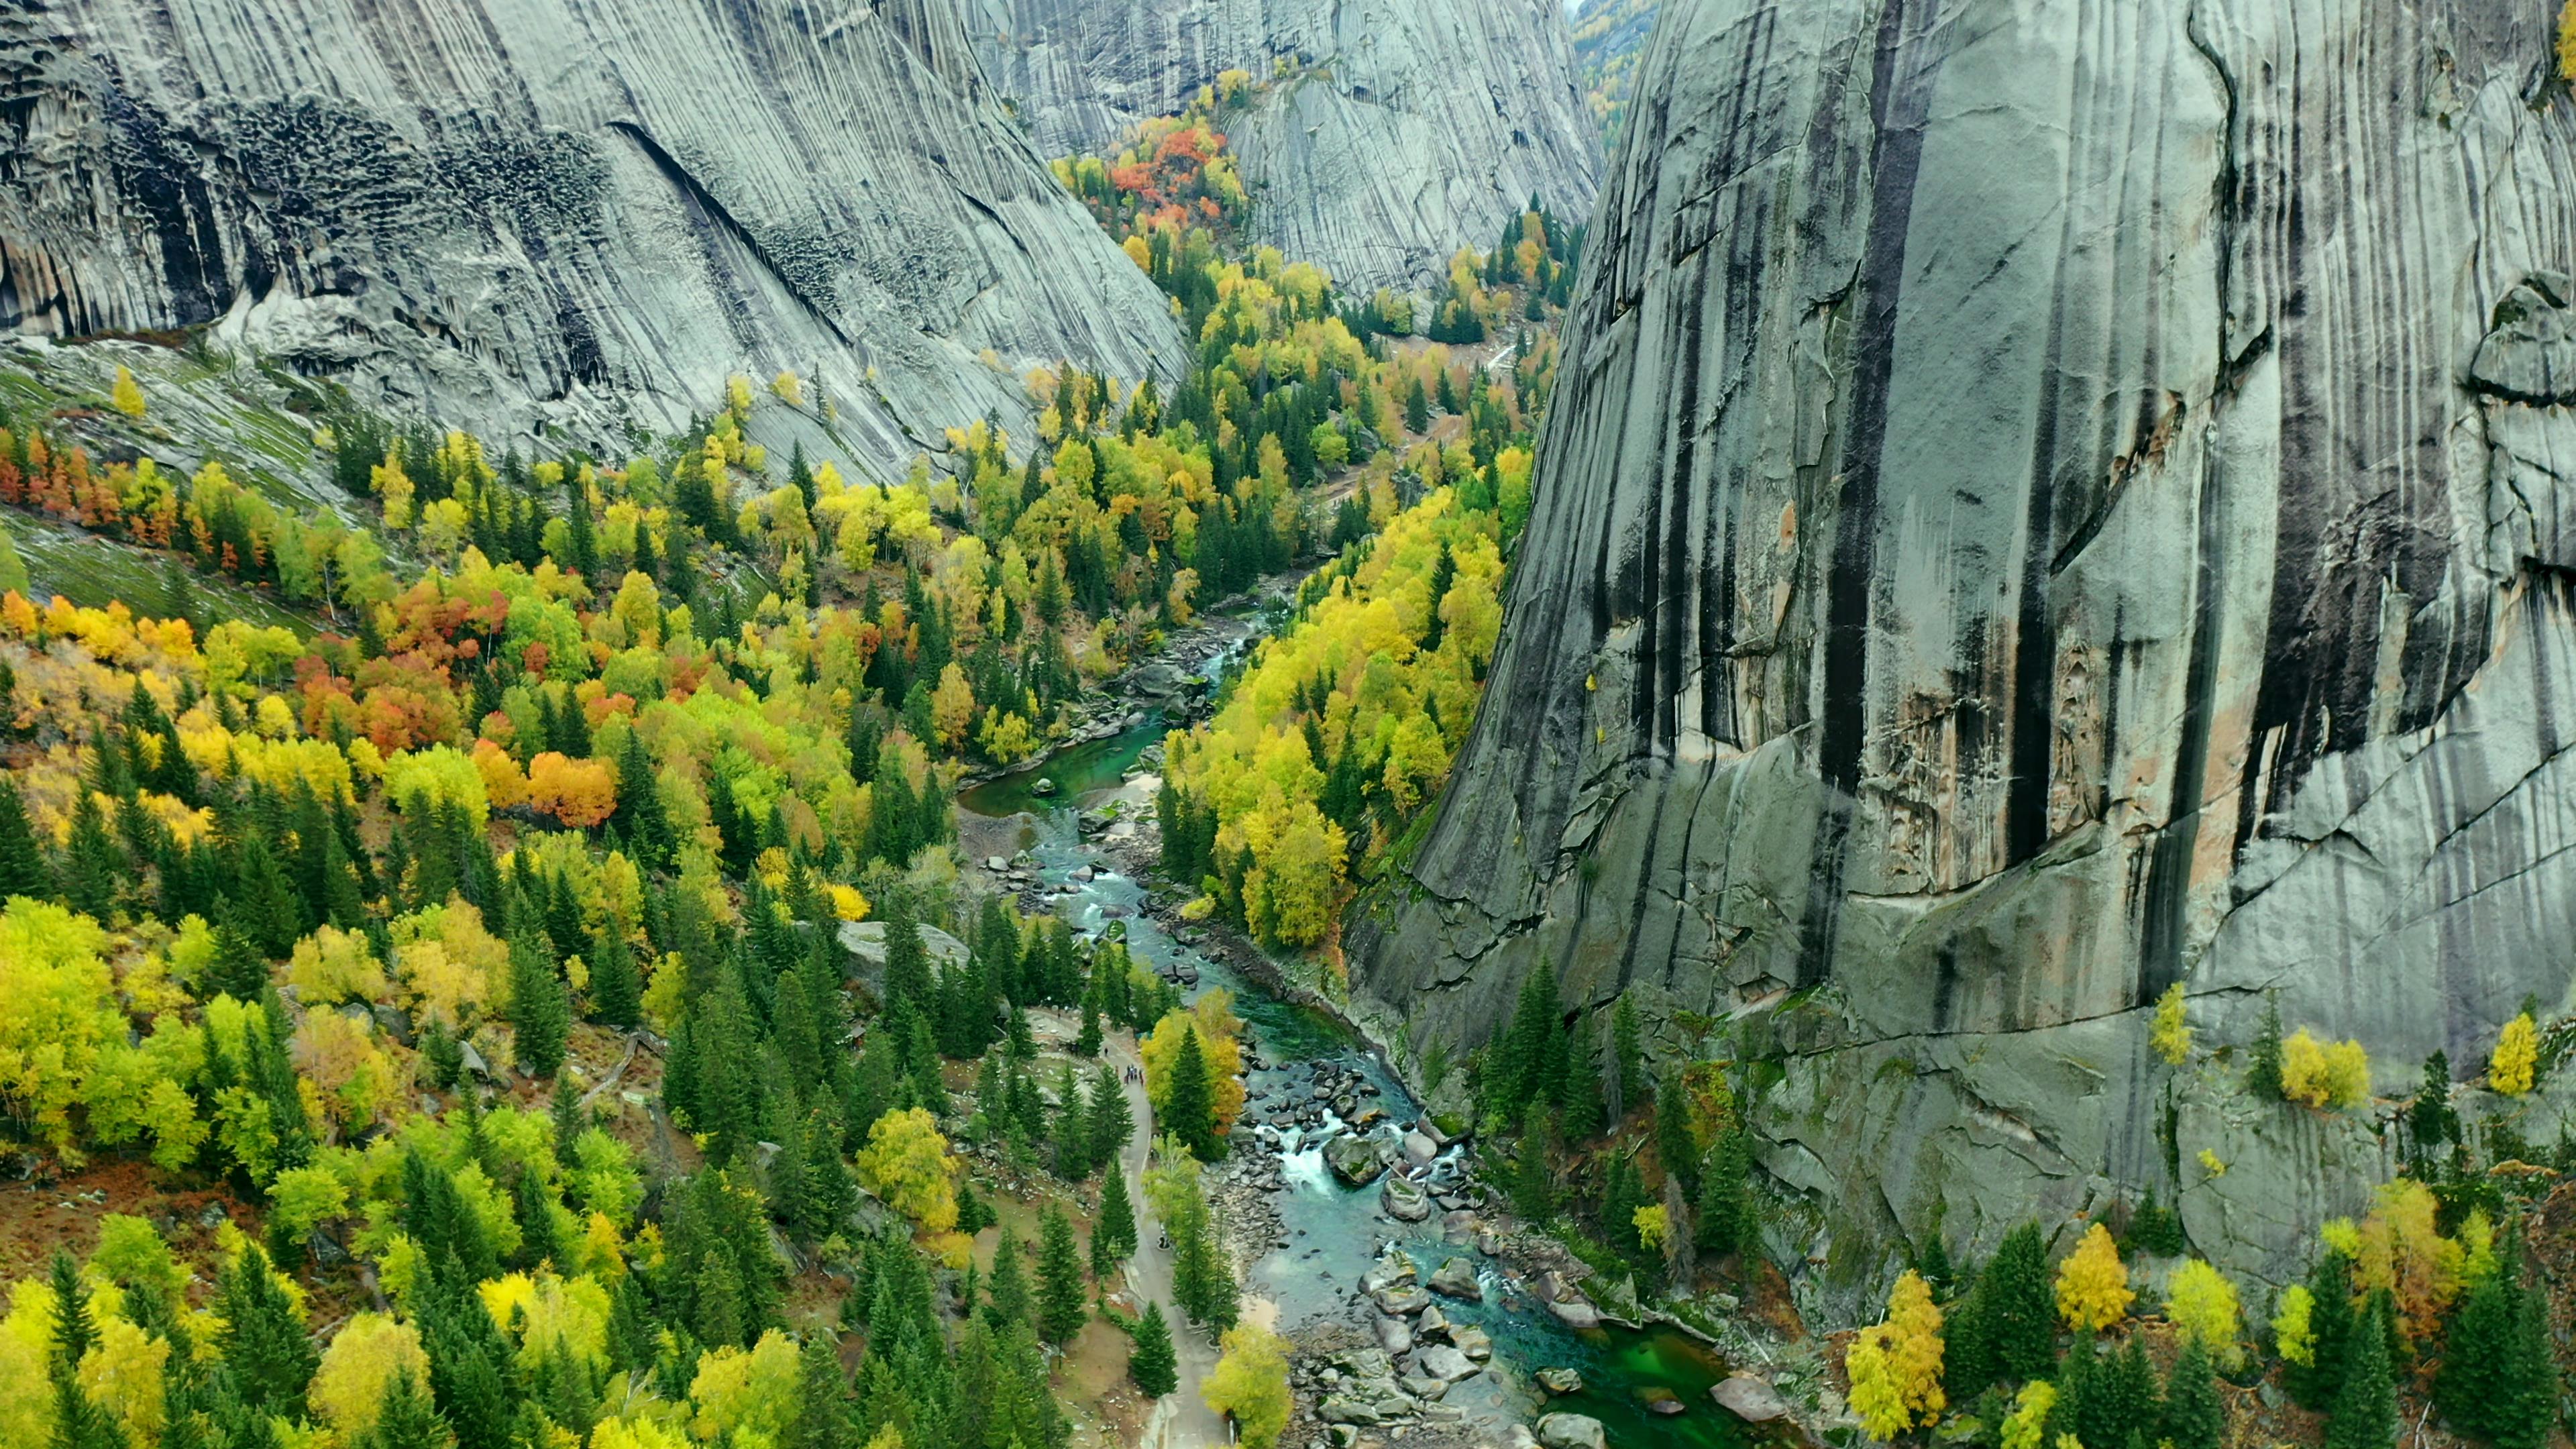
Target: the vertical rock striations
(2044, 502)
(555, 211)
(1404, 130)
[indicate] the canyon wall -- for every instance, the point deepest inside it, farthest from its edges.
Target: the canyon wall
(2043, 502)
(583, 214)
(1399, 131)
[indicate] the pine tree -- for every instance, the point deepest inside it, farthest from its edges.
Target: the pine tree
(1627, 1058)
(616, 990)
(2331, 1324)
(2471, 1383)
(1189, 1104)
(2017, 1308)
(1533, 1182)
(1584, 1096)
(540, 1013)
(1061, 1313)
(2263, 1072)
(1674, 1146)
(1088, 1043)
(822, 1398)
(1112, 1123)
(1008, 1289)
(23, 871)
(92, 864)
(263, 1342)
(1153, 1364)
(1417, 409)
(2195, 1418)
(1117, 1222)
(1727, 1221)
(406, 1418)
(2365, 1407)
(2527, 1396)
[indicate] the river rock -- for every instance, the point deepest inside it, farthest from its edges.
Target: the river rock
(1444, 1362)
(1343, 1409)
(1356, 1160)
(1419, 1150)
(1559, 1380)
(1456, 1278)
(1575, 1313)
(1571, 1431)
(1423, 1386)
(1746, 762)
(1749, 1398)
(1392, 1269)
(1393, 1334)
(1401, 1302)
(1403, 1201)
(1472, 1341)
(1432, 1324)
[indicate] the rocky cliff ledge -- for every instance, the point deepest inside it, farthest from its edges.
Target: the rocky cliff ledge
(2044, 502)
(570, 212)
(1407, 128)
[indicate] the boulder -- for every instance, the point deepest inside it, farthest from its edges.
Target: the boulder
(1749, 1398)
(1403, 1201)
(1342, 1409)
(1423, 1386)
(1456, 1278)
(1444, 1362)
(1661, 1403)
(1559, 1380)
(1419, 1150)
(1357, 1160)
(1571, 1431)
(1575, 1313)
(1393, 1269)
(1401, 1302)
(1472, 1341)
(1393, 1334)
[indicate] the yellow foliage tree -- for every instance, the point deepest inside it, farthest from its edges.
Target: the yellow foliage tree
(2517, 1050)
(2567, 41)
(2292, 1330)
(1219, 1032)
(2400, 1248)
(2202, 1303)
(746, 1394)
(1250, 1381)
(1653, 1225)
(366, 1354)
(2092, 1285)
(2027, 1425)
(127, 394)
(2328, 1076)
(1895, 1364)
(2172, 1034)
(123, 1374)
(906, 1163)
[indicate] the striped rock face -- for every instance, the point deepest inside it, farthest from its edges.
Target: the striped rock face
(1400, 131)
(2043, 502)
(577, 213)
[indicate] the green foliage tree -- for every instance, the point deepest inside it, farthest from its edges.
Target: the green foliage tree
(2263, 1069)
(1117, 1224)
(1007, 1290)
(1189, 1109)
(263, 1343)
(2194, 1415)
(1627, 1058)
(1061, 1293)
(2331, 1325)
(2365, 1404)
(1153, 1364)
(540, 1008)
(23, 870)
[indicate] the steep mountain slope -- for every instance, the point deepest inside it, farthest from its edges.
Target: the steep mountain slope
(1609, 38)
(1396, 134)
(556, 211)
(2037, 511)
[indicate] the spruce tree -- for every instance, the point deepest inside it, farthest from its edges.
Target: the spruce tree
(2365, 1407)
(1189, 1104)
(1153, 1364)
(2195, 1417)
(1088, 1043)
(540, 1014)
(238, 970)
(2331, 1325)
(2527, 1396)
(1727, 1221)
(2470, 1386)
(1674, 1146)
(822, 1398)
(1061, 1312)
(1627, 1058)
(2263, 1071)
(1112, 1123)
(1417, 409)
(1008, 1289)
(2020, 1308)
(263, 1342)
(23, 871)
(616, 989)
(406, 1417)
(1117, 1224)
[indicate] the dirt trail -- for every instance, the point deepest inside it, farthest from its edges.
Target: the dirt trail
(1182, 1419)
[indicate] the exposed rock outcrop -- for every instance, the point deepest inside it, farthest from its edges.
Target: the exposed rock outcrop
(1404, 130)
(525, 212)
(2034, 511)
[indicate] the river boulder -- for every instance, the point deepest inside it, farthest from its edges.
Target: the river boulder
(1559, 1380)
(1571, 1431)
(1457, 1279)
(1749, 1398)
(1447, 1363)
(1358, 1161)
(1403, 1201)
(1393, 1334)
(1575, 1313)
(1402, 1302)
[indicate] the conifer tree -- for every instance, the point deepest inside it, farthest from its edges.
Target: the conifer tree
(822, 1398)
(2365, 1406)
(2194, 1416)
(1627, 1058)
(2018, 1307)
(263, 1342)
(1008, 1288)
(2471, 1383)
(2527, 1395)
(406, 1418)
(1417, 409)
(1112, 1123)
(1117, 1224)
(1088, 1043)
(2263, 1072)
(540, 1014)
(2331, 1325)
(1674, 1146)
(1583, 1094)
(1060, 1288)
(1727, 1221)
(1189, 1104)
(1153, 1364)
(23, 871)
(616, 990)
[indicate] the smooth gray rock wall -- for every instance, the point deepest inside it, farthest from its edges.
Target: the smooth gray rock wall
(516, 213)
(1415, 127)
(2042, 502)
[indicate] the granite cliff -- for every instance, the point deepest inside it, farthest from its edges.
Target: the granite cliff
(2043, 502)
(1398, 133)
(528, 213)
